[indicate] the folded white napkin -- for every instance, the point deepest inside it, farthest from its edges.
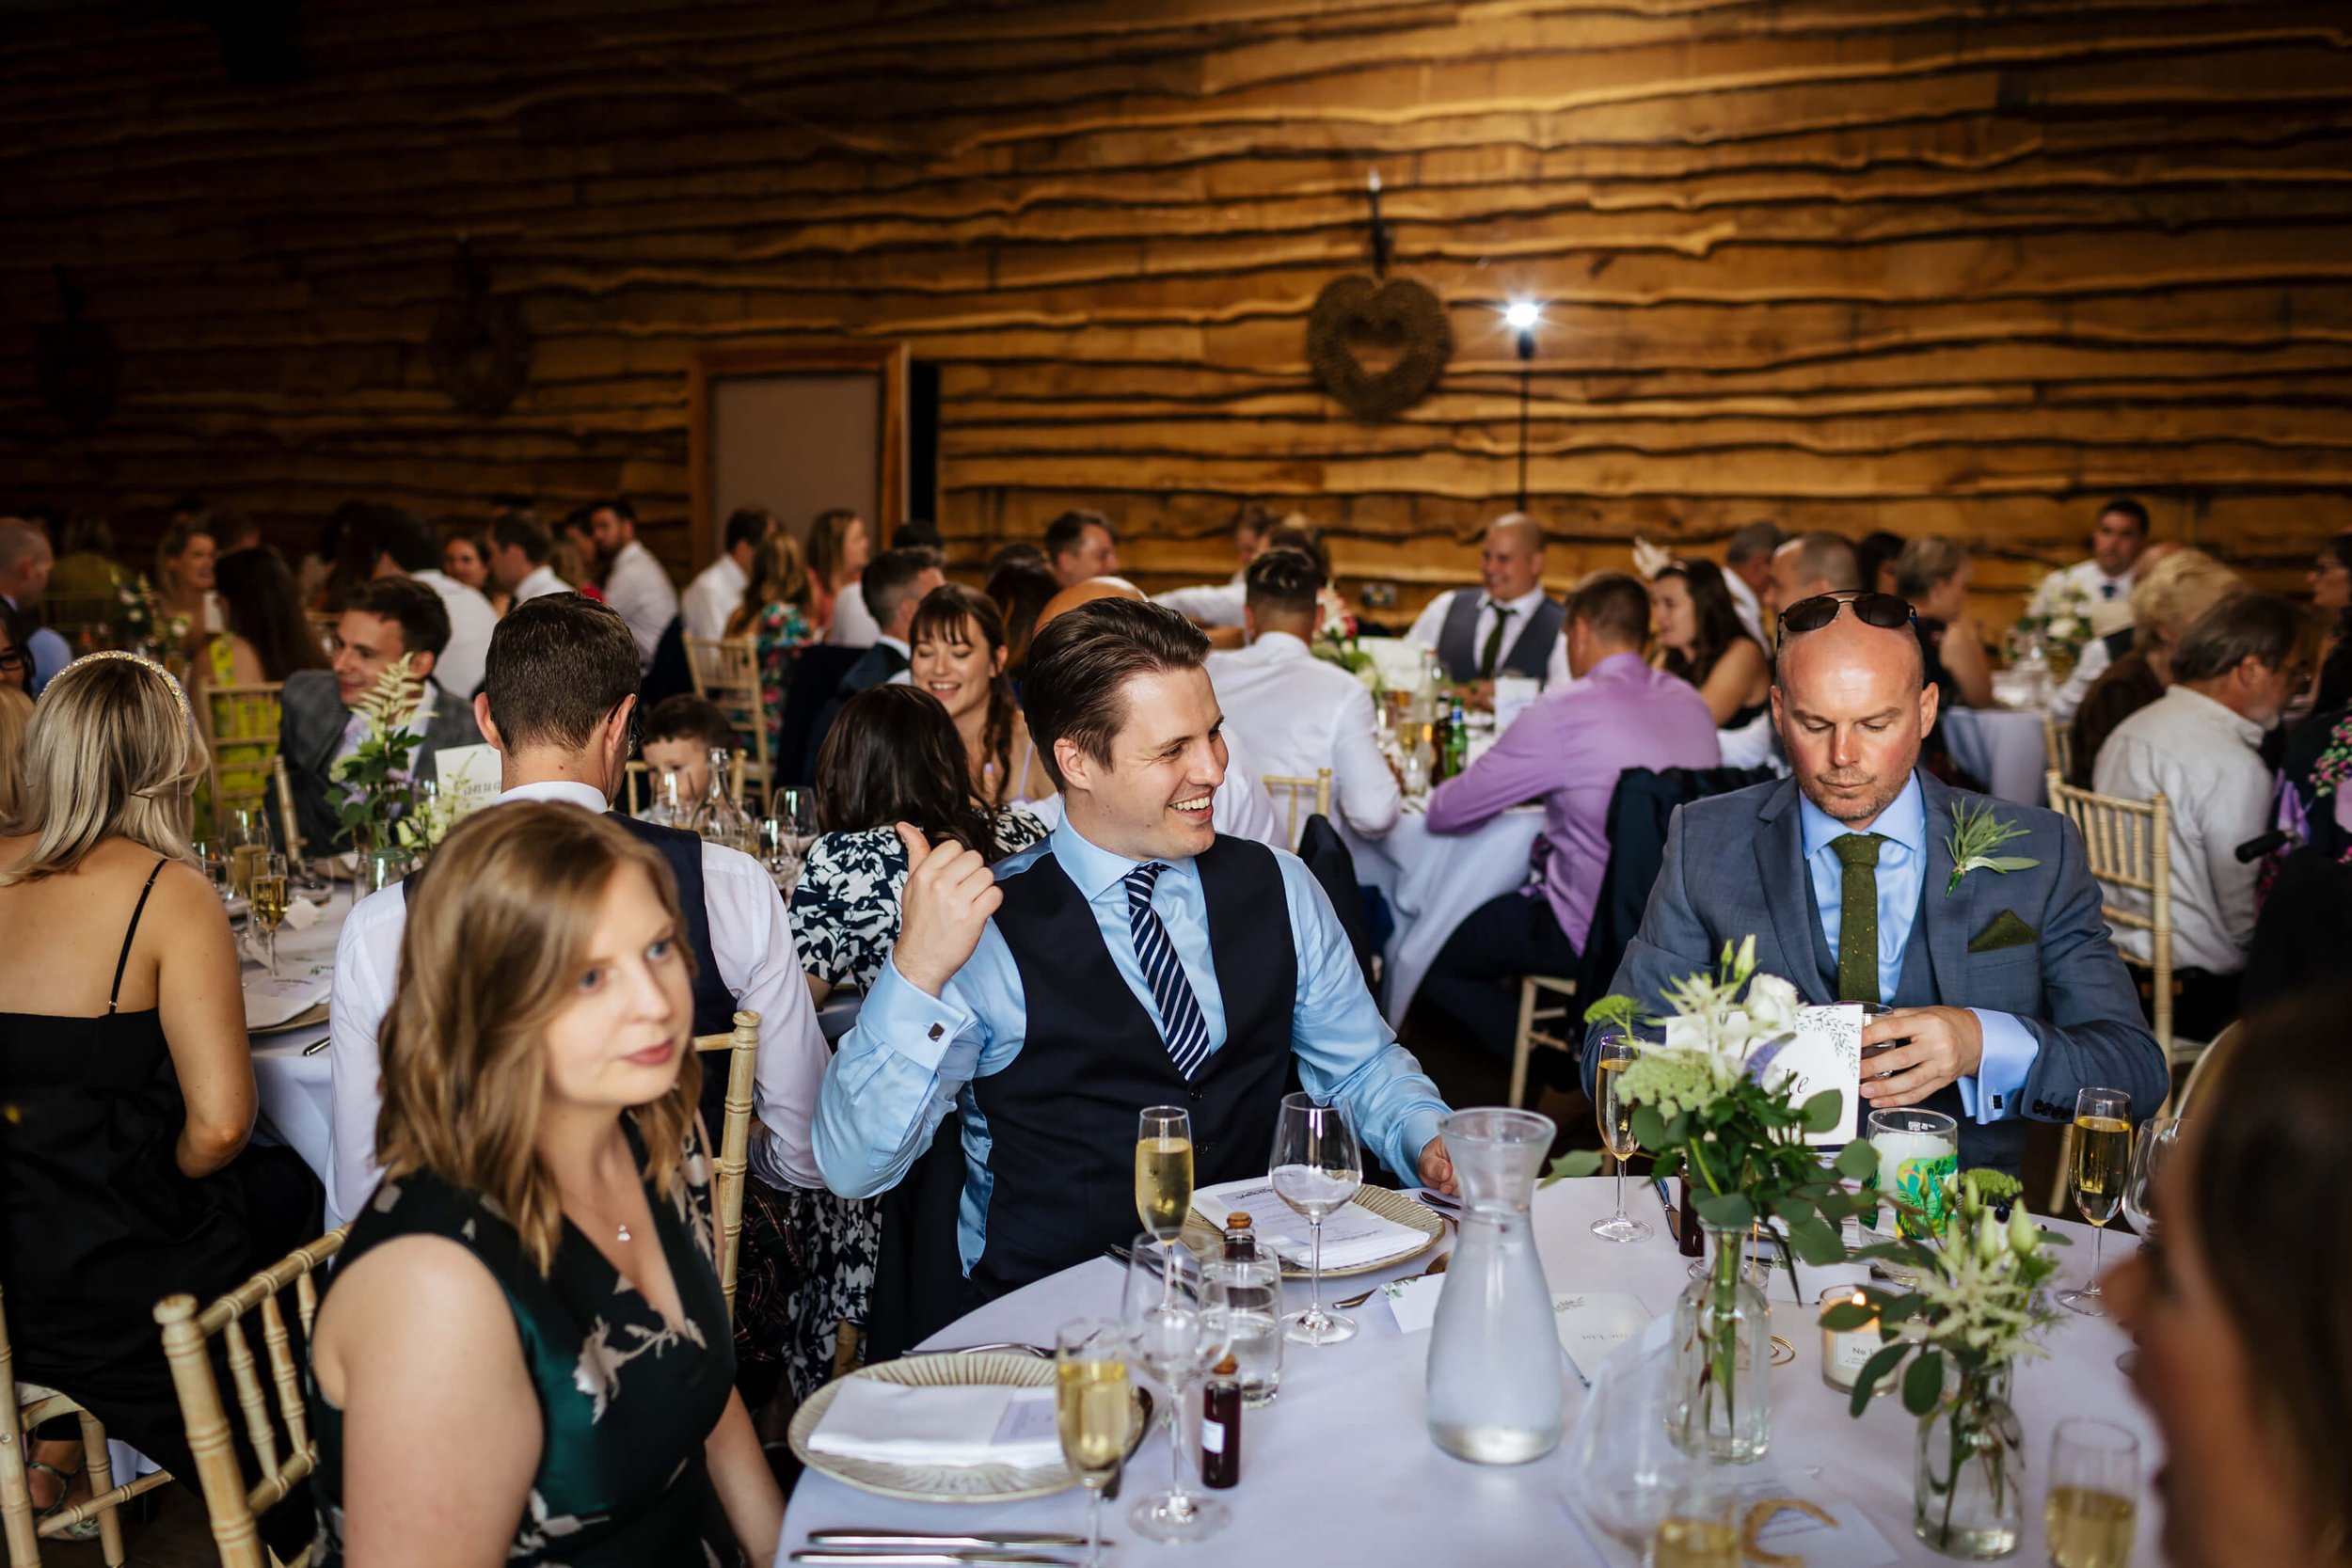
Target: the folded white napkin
(301, 915)
(872, 1419)
(271, 1002)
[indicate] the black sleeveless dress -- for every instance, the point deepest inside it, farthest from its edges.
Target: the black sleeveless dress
(98, 1222)
(626, 1398)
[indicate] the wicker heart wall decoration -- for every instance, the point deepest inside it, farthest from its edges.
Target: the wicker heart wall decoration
(1396, 311)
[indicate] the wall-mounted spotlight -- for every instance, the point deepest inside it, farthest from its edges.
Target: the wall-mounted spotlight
(1520, 316)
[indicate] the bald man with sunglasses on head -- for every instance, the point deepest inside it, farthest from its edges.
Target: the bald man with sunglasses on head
(2005, 996)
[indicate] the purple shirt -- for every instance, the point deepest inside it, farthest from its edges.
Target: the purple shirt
(1569, 748)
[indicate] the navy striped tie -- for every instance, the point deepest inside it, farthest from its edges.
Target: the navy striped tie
(1181, 1025)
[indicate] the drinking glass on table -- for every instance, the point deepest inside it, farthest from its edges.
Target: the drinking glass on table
(1316, 1167)
(1177, 1318)
(213, 855)
(1613, 1054)
(2103, 1162)
(1091, 1407)
(1163, 1170)
(2093, 1507)
(267, 892)
(246, 832)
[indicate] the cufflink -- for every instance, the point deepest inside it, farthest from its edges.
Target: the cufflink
(937, 1030)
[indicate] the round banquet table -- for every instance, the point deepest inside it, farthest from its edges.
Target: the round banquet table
(1341, 1468)
(1433, 881)
(294, 1088)
(2002, 746)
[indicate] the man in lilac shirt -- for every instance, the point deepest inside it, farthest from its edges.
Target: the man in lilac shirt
(1567, 750)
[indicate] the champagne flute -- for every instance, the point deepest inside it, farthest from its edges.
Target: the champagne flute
(268, 891)
(212, 854)
(2103, 1158)
(2094, 1507)
(2151, 1147)
(247, 835)
(1164, 1171)
(1616, 1115)
(1316, 1167)
(1177, 1318)
(1091, 1412)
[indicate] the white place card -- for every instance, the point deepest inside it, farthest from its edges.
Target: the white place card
(1594, 1323)
(1853, 1542)
(1827, 1054)
(469, 778)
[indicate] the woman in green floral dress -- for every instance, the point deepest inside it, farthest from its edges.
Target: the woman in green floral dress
(776, 616)
(524, 1356)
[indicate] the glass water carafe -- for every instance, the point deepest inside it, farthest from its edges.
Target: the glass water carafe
(718, 819)
(1494, 1354)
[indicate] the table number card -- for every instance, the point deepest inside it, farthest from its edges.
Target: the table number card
(469, 778)
(1827, 1054)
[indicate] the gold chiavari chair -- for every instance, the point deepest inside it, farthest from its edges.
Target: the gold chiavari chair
(23, 1407)
(726, 671)
(1534, 1015)
(735, 1143)
(2058, 740)
(1289, 788)
(231, 1506)
(240, 740)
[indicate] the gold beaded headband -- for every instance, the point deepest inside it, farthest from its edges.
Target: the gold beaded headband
(171, 683)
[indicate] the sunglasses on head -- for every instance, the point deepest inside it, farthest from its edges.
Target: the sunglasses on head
(1871, 610)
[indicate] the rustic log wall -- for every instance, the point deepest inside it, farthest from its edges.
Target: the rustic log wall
(1956, 265)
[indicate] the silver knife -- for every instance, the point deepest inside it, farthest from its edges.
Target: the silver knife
(1018, 1540)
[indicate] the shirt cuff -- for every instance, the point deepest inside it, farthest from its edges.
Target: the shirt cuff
(903, 1018)
(1418, 1130)
(2007, 1056)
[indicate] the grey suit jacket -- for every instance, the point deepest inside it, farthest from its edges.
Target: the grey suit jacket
(310, 730)
(1734, 865)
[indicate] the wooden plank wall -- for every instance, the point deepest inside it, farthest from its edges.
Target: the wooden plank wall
(1956, 265)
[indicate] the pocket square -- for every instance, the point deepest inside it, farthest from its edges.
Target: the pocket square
(2007, 930)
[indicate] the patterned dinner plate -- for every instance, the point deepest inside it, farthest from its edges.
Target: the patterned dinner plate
(1206, 1238)
(948, 1483)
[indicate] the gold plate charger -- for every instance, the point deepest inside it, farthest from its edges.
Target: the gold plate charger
(1205, 1237)
(309, 1017)
(948, 1483)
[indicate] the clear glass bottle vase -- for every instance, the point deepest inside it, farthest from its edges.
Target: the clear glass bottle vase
(1721, 1408)
(1494, 1388)
(1968, 1501)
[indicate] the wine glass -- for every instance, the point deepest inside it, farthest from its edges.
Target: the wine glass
(1092, 1410)
(246, 832)
(267, 892)
(1177, 1318)
(2151, 1147)
(1615, 1053)
(213, 855)
(1316, 1167)
(2094, 1507)
(2103, 1158)
(1163, 1170)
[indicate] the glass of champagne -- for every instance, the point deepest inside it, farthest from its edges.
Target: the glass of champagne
(1092, 1407)
(212, 854)
(247, 833)
(1164, 1171)
(1614, 1053)
(268, 891)
(1316, 1167)
(2103, 1159)
(1177, 1318)
(2093, 1509)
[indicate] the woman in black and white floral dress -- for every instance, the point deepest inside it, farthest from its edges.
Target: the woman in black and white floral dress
(892, 756)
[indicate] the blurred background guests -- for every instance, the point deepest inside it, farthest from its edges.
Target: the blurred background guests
(2165, 602)
(1806, 567)
(680, 734)
(2332, 589)
(124, 1174)
(2200, 746)
(232, 529)
(16, 712)
(839, 545)
(184, 578)
(1080, 547)
(1934, 573)
(1507, 625)
(87, 569)
(957, 642)
(521, 551)
(891, 587)
(24, 564)
(2245, 1349)
(404, 548)
(537, 1270)
(2118, 539)
(16, 659)
(465, 559)
(575, 557)
(1299, 714)
(1875, 557)
(635, 582)
(1020, 588)
(778, 615)
(1700, 639)
(717, 590)
(266, 637)
(1220, 604)
(1747, 567)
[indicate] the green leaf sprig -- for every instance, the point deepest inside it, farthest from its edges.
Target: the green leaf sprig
(1977, 833)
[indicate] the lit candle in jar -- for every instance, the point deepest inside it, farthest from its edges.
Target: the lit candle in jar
(1846, 1351)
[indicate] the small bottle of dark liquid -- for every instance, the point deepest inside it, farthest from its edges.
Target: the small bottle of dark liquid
(1688, 1239)
(1220, 1426)
(1241, 1238)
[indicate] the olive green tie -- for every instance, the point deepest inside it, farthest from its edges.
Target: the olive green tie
(1494, 642)
(1858, 918)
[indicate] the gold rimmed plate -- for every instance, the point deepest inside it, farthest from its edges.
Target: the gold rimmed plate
(1203, 1235)
(949, 1484)
(309, 1018)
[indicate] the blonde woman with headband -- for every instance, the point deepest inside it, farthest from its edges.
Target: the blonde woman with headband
(525, 1356)
(125, 1064)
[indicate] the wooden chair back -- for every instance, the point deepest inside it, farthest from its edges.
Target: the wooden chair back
(1554, 1025)
(241, 743)
(735, 1142)
(2130, 848)
(188, 1330)
(2058, 741)
(24, 1406)
(1288, 789)
(726, 671)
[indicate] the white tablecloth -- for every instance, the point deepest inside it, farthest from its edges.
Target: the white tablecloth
(1341, 1468)
(293, 1087)
(1433, 880)
(2003, 747)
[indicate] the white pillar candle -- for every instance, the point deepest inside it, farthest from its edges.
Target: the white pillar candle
(1846, 1351)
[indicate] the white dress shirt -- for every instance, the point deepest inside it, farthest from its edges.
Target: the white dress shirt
(1751, 612)
(640, 589)
(1432, 621)
(2207, 762)
(470, 623)
(1298, 714)
(713, 597)
(750, 935)
(539, 584)
(2110, 598)
(853, 626)
(1211, 604)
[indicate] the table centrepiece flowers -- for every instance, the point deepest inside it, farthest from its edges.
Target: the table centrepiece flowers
(1708, 1105)
(382, 806)
(1979, 1298)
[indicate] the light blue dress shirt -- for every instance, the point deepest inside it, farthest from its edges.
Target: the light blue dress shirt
(912, 1055)
(2009, 1045)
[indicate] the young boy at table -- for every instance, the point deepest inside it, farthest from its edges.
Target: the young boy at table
(681, 732)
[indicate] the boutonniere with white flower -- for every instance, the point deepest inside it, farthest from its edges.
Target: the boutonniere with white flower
(1977, 833)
